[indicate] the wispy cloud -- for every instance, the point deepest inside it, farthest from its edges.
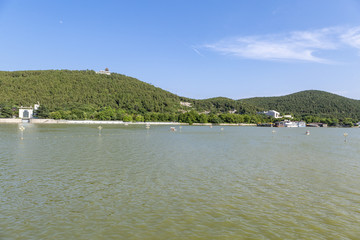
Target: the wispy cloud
(293, 46)
(352, 37)
(197, 51)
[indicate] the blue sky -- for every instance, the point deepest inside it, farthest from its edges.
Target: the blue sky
(198, 49)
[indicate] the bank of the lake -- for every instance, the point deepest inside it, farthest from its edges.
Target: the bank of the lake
(54, 121)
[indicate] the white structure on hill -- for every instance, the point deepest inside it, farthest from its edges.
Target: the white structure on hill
(186, 104)
(232, 111)
(106, 72)
(271, 113)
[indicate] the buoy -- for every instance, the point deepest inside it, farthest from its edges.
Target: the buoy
(22, 128)
(100, 127)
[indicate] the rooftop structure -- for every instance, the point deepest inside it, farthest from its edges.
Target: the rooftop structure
(271, 113)
(106, 72)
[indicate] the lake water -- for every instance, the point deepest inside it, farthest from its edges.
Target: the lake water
(67, 182)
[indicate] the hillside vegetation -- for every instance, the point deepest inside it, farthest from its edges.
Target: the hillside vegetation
(61, 89)
(311, 102)
(65, 94)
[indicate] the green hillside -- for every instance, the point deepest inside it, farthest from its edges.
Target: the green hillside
(61, 89)
(65, 94)
(311, 102)
(223, 105)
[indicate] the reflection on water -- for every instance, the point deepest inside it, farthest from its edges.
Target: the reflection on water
(67, 182)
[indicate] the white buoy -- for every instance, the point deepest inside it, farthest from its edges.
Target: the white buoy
(100, 127)
(22, 128)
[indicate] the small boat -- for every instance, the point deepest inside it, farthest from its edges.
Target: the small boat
(307, 133)
(172, 129)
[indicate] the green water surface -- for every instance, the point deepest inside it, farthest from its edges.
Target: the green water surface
(67, 182)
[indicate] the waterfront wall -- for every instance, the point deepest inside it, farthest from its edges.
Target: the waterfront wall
(10, 120)
(53, 121)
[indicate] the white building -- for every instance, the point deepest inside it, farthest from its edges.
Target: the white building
(106, 72)
(271, 113)
(186, 104)
(26, 112)
(232, 111)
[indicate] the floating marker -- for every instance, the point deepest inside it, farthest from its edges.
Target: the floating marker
(22, 128)
(100, 127)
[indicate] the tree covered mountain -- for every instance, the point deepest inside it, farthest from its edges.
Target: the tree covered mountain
(62, 89)
(87, 95)
(310, 103)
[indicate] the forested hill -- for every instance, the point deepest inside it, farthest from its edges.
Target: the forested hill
(87, 90)
(59, 89)
(87, 95)
(310, 102)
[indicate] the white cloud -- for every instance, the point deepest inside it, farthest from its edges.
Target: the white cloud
(352, 37)
(292, 46)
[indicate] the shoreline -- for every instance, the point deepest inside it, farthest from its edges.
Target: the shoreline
(90, 122)
(114, 122)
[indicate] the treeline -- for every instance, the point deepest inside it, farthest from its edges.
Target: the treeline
(108, 113)
(89, 112)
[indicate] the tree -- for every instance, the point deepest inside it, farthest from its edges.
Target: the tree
(55, 115)
(139, 118)
(42, 112)
(6, 112)
(128, 118)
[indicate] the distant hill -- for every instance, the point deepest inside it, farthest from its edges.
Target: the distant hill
(310, 102)
(66, 89)
(91, 93)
